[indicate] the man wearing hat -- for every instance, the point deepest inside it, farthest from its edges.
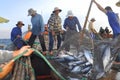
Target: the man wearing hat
(113, 18)
(70, 24)
(55, 28)
(16, 35)
(71, 21)
(37, 29)
(91, 29)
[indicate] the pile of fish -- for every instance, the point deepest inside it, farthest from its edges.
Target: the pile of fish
(90, 63)
(81, 64)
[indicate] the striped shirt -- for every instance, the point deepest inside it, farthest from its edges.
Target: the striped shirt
(55, 22)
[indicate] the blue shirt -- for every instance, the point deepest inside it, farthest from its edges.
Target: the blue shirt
(114, 22)
(71, 23)
(37, 24)
(15, 31)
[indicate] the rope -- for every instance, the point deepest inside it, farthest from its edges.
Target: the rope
(17, 57)
(84, 79)
(36, 43)
(39, 54)
(0, 69)
(26, 65)
(57, 73)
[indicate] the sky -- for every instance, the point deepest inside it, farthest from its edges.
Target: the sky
(17, 10)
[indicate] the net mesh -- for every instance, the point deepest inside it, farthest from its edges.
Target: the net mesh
(74, 46)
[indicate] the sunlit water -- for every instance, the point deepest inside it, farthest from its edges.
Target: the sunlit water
(4, 42)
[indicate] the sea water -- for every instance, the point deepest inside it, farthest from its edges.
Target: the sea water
(4, 42)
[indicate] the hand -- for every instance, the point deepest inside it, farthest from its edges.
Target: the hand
(16, 53)
(18, 36)
(23, 49)
(53, 33)
(30, 51)
(67, 28)
(62, 31)
(26, 48)
(42, 33)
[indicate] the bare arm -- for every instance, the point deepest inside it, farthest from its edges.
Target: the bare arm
(6, 69)
(9, 66)
(18, 52)
(100, 7)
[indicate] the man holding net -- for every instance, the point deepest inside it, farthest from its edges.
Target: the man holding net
(70, 24)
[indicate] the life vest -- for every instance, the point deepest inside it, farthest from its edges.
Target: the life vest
(27, 36)
(46, 30)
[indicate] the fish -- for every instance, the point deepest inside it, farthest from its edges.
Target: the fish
(88, 56)
(106, 57)
(86, 70)
(70, 78)
(99, 60)
(65, 58)
(76, 63)
(76, 69)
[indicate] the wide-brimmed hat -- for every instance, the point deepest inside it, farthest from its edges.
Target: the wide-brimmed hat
(20, 22)
(93, 19)
(69, 13)
(31, 11)
(57, 9)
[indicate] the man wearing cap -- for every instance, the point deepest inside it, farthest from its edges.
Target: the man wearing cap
(113, 18)
(70, 24)
(91, 29)
(16, 35)
(55, 28)
(37, 29)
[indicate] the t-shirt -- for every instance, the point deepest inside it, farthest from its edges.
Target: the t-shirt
(72, 23)
(114, 22)
(91, 28)
(15, 32)
(5, 56)
(37, 24)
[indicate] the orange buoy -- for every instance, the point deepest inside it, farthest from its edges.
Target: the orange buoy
(46, 30)
(27, 36)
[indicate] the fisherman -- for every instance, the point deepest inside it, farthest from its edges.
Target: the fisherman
(55, 29)
(112, 18)
(107, 32)
(37, 29)
(70, 25)
(102, 32)
(46, 32)
(8, 56)
(113, 21)
(16, 35)
(92, 31)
